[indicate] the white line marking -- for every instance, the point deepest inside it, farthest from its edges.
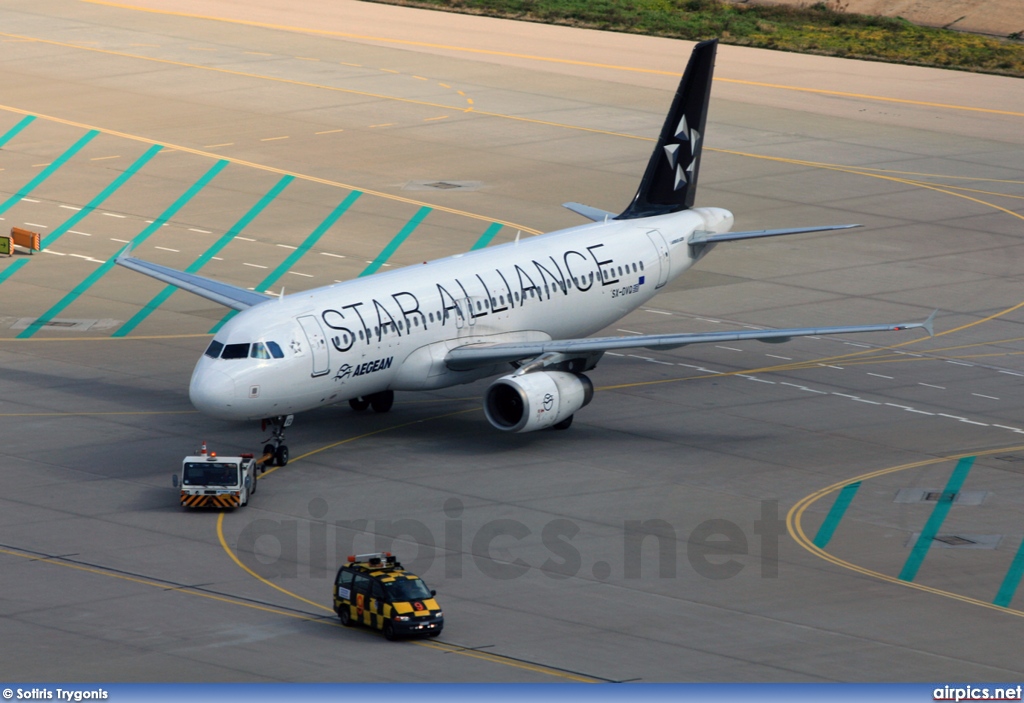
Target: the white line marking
(830, 366)
(217, 258)
(879, 375)
(304, 275)
(1012, 429)
(958, 363)
(286, 246)
(802, 388)
(645, 358)
(34, 224)
(87, 258)
(658, 312)
(613, 354)
(864, 400)
(704, 319)
(972, 422)
(990, 397)
(122, 241)
(629, 331)
(114, 214)
(728, 348)
(336, 256)
(854, 344)
(845, 395)
(930, 385)
(901, 407)
(953, 417)
(30, 200)
(69, 207)
(51, 251)
(244, 239)
(166, 249)
(201, 231)
(776, 356)
(1012, 373)
(75, 231)
(255, 266)
(919, 412)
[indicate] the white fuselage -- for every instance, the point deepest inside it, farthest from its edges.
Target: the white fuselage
(391, 331)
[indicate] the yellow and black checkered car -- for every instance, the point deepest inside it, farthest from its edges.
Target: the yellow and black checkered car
(375, 590)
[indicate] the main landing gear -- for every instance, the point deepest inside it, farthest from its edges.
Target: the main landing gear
(278, 449)
(380, 402)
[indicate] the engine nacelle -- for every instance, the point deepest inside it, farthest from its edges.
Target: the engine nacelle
(535, 401)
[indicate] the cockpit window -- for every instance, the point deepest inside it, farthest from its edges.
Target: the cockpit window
(235, 351)
(275, 350)
(259, 351)
(213, 351)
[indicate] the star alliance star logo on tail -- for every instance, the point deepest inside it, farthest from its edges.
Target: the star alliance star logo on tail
(683, 134)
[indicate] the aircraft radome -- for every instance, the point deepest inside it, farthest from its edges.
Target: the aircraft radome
(524, 307)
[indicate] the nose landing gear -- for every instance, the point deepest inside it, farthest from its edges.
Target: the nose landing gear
(278, 450)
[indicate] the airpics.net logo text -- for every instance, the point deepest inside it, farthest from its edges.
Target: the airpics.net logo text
(506, 548)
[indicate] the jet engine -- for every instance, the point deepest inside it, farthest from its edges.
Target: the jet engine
(537, 400)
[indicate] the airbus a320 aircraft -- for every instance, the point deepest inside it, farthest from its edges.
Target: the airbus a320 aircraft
(524, 307)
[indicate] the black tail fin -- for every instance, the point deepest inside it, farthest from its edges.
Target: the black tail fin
(670, 181)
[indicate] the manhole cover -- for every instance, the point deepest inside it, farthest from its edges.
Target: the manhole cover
(443, 185)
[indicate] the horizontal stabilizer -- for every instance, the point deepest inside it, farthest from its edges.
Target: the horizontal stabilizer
(223, 293)
(479, 355)
(709, 238)
(591, 213)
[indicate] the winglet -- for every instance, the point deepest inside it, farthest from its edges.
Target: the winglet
(927, 324)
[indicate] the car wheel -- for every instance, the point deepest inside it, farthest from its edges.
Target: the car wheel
(345, 616)
(389, 631)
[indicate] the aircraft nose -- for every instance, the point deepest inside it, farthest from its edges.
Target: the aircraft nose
(212, 392)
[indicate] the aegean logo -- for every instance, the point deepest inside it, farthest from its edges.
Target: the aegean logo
(349, 371)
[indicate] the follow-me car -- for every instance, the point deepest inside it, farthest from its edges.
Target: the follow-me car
(528, 304)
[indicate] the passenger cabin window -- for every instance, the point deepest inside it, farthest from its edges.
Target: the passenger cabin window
(235, 351)
(213, 351)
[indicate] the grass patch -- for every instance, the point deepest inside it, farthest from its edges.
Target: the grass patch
(817, 29)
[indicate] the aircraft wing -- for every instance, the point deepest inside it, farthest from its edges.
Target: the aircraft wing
(224, 293)
(478, 355)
